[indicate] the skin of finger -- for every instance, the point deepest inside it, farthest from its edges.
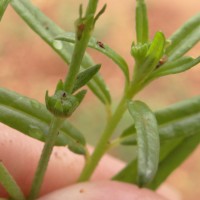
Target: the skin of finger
(20, 155)
(106, 190)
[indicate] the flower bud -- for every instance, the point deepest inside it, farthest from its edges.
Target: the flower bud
(61, 104)
(139, 51)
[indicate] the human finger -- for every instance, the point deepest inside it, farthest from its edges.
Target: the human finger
(106, 190)
(20, 155)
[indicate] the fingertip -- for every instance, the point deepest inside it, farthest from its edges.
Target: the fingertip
(20, 154)
(103, 190)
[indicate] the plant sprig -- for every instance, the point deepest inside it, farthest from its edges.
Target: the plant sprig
(153, 58)
(63, 103)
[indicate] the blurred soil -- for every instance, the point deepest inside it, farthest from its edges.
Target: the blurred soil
(30, 67)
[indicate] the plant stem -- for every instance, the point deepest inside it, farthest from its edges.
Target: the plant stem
(103, 142)
(9, 183)
(78, 53)
(45, 156)
(81, 45)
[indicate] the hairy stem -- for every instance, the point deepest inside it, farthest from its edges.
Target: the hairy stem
(77, 56)
(45, 156)
(81, 44)
(103, 142)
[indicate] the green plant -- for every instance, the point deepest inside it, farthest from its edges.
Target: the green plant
(154, 58)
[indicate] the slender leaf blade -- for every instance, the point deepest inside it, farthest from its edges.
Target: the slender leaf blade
(106, 50)
(101, 47)
(129, 173)
(177, 120)
(177, 66)
(142, 31)
(84, 77)
(178, 112)
(174, 159)
(181, 127)
(147, 140)
(8, 182)
(32, 118)
(3, 6)
(48, 30)
(184, 38)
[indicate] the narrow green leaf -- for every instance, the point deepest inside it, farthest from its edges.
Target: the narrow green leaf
(181, 127)
(97, 82)
(77, 148)
(186, 115)
(168, 146)
(3, 6)
(154, 54)
(128, 136)
(147, 140)
(179, 110)
(8, 182)
(80, 95)
(129, 173)
(100, 13)
(113, 55)
(32, 118)
(174, 159)
(142, 31)
(101, 47)
(178, 120)
(184, 38)
(48, 30)
(85, 76)
(180, 65)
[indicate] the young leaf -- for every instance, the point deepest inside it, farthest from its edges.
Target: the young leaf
(101, 47)
(32, 118)
(174, 159)
(147, 140)
(85, 76)
(97, 82)
(114, 56)
(153, 56)
(179, 65)
(178, 120)
(100, 13)
(77, 148)
(142, 31)
(179, 110)
(3, 6)
(129, 173)
(47, 30)
(8, 182)
(184, 38)
(181, 127)
(177, 113)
